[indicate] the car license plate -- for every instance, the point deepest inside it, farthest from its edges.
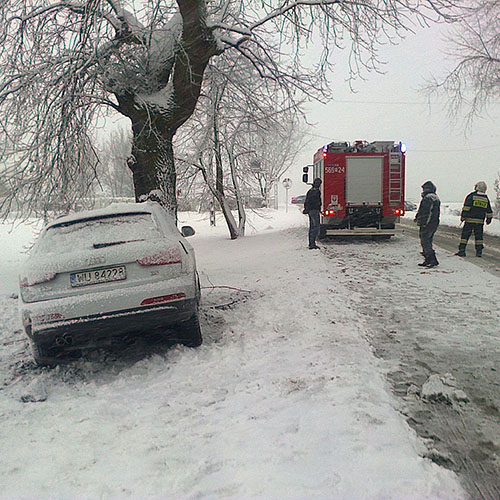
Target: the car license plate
(96, 276)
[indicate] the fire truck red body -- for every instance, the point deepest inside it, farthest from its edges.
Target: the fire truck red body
(362, 188)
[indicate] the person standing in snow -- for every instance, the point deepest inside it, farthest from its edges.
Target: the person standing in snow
(427, 219)
(312, 206)
(476, 208)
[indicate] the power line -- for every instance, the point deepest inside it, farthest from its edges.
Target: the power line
(403, 103)
(491, 146)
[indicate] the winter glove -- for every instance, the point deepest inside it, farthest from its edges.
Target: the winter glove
(305, 211)
(488, 221)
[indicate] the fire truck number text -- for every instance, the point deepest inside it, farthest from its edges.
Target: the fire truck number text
(334, 169)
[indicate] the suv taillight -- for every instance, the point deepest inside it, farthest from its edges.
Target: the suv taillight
(36, 279)
(171, 255)
(163, 298)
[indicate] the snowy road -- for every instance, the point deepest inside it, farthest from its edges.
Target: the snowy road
(285, 399)
(436, 322)
(447, 237)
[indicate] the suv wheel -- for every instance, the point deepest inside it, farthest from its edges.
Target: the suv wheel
(191, 331)
(41, 354)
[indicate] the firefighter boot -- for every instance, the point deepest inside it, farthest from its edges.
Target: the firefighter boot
(425, 262)
(433, 262)
(479, 252)
(461, 252)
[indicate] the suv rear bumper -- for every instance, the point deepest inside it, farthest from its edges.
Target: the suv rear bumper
(89, 330)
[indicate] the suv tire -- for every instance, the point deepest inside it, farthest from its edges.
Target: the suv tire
(41, 354)
(191, 331)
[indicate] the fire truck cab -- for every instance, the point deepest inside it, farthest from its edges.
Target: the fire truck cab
(362, 188)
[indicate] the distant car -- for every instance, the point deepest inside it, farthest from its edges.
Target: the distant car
(298, 199)
(410, 206)
(109, 272)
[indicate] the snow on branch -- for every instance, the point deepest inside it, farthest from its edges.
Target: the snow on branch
(379, 13)
(131, 24)
(76, 8)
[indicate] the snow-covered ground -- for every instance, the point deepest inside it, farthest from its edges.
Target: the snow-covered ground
(285, 398)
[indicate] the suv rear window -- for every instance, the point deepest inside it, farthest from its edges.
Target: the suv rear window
(99, 231)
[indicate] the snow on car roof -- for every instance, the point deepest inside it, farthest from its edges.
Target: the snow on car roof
(113, 209)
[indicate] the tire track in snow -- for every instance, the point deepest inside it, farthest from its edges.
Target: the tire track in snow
(436, 321)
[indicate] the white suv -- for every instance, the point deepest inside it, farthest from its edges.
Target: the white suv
(109, 272)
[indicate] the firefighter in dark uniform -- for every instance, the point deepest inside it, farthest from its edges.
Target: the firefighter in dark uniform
(476, 209)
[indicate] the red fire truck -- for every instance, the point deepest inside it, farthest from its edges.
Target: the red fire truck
(362, 189)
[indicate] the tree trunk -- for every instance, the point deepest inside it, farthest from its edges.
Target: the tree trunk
(152, 162)
(219, 193)
(231, 223)
(152, 165)
(226, 211)
(219, 180)
(242, 217)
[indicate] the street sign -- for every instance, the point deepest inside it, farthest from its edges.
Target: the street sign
(287, 184)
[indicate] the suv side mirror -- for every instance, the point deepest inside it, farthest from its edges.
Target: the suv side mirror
(305, 178)
(305, 170)
(187, 231)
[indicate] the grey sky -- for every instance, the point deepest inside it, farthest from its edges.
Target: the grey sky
(389, 107)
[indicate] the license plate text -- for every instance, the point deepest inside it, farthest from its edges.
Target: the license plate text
(95, 276)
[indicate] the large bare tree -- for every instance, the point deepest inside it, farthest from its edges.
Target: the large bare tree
(241, 120)
(65, 61)
(474, 42)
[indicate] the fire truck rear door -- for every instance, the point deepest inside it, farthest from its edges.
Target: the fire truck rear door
(364, 179)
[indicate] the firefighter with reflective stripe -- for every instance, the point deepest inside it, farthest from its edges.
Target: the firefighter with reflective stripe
(476, 209)
(428, 219)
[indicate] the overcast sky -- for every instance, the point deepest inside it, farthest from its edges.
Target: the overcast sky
(390, 107)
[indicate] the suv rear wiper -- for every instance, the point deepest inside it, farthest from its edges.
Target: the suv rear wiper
(110, 244)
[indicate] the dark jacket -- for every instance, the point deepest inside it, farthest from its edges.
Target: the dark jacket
(313, 200)
(429, 208)
(476, 208)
